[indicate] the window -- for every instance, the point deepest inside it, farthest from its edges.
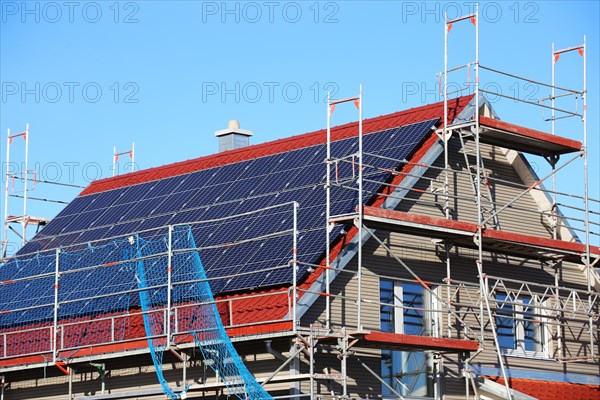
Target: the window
(520, 326)
(408, 372)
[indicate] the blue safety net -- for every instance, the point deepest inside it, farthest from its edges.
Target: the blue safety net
(193, 310)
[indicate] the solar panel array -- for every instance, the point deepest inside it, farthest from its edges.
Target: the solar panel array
(297, 175)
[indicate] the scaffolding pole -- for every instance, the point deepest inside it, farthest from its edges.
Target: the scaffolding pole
(474, 19)
(327, 215)
(130, 153)
(331, 104)
(554, 159)
(295, 268)
(445, 138)
(360, 207)
(5, 231)
(582, 50)
(169, 285)
(56, 307)
(26, 179)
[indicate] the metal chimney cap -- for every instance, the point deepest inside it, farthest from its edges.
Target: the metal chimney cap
(233, 127)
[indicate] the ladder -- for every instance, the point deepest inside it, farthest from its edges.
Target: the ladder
(488, 209)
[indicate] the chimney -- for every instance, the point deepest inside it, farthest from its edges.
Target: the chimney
(233, 137)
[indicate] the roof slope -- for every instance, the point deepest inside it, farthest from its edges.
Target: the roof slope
(228, 183)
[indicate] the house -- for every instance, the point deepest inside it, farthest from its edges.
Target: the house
(400, 309)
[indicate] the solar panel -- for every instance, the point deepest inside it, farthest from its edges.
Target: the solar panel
(35, 245)
(242, 189)
(163, 187)
(174, 202)
(59, 223)
(90, 235)
(124, 228)
(253, 203)
(196, 214)
(81, 221)
(134, 194)
(264, 165)
(207, 195)
(156, 222)
(78, 205)
(142, 208)
(191, 180)
(220, 192)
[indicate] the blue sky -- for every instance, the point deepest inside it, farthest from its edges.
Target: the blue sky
(88, 76)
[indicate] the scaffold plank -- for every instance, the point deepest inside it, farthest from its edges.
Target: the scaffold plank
(526, 140)
(397, 341)
(493, 240)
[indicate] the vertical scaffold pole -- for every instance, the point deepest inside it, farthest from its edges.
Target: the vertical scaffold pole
(295, 269)
(559, 327)
(133, 157)
(446, 171)
(115, 157)
(582, 50)
(477, 144)
(55, 322)
(474, 18)
(588, 260)
(24, 221)
(483, 285)
(311, 343)
(483, 278)
(343, 345)
(327, 216)
(5, 232)
(445, 130)
(553, 161)
(360, 206)
(169, 283)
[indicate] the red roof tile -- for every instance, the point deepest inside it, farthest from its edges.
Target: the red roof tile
(370, 125)
(545, 390)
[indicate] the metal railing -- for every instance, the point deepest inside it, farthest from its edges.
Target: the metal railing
(59, 336)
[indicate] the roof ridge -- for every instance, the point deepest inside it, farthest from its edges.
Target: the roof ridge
(370, 125)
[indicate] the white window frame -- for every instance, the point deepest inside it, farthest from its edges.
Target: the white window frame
(430, 326)
(542, 333)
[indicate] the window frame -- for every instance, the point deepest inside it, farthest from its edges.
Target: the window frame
(516, 312)
(399, 360)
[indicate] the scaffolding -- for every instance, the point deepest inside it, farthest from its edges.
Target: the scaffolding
(28, 180)
(116, 155)
(562, 308)
(330, 165)
(62, 343)
(46, 327)
(25, 176)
